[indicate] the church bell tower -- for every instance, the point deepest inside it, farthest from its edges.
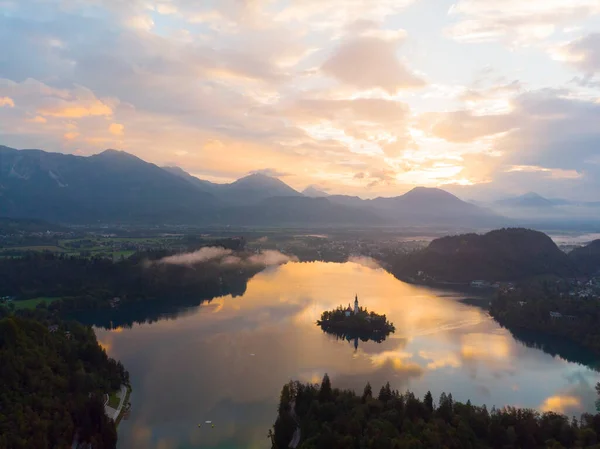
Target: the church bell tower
(356, 305)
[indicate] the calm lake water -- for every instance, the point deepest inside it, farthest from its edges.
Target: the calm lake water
(226, 360)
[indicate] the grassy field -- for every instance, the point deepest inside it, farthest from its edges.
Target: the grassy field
(56, 249)
(109, 246)
(32, 303)
(113, 400)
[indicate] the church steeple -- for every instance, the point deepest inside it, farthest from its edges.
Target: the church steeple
(356, 304)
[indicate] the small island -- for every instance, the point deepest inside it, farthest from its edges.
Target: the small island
(356, 323)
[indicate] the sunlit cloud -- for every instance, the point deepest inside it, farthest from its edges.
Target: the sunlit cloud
(380, 65)
(515, 21)
(71, 135)
(37, 119)
(7, 102)
(556, 173)
(561, 404)
(582, 53)
(67, 110)
(116, 129)
(339, 94)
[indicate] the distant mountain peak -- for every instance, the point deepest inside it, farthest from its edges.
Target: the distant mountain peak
(314, 192)
(258, 177)
(116, 154)
(421, 192)
(528, 200)
(260, 180)
(532, 195)
(175, 169)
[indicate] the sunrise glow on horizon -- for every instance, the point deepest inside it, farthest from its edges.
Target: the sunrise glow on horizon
(483, 98)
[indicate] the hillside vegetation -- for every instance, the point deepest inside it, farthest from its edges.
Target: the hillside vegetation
(500, 255)
(52, 386)
(587, 258)
(330, 418)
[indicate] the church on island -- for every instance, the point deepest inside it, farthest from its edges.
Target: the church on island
(349, 311)
(358, 322)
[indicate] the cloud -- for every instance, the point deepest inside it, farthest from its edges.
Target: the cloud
(71, 135)
(202, 255)
(582, 53)
(379, 66)
(367, 262)
(270, 257)
(464, 126)
(278, 85)
(116, 128)
(6, 101)
(336, 14)
(269, 172)
(141, 22)
(38, 119)
(516, 22)
(81, 102)
(556, 173)
(561, 404)
(547, 135)
(226, 257)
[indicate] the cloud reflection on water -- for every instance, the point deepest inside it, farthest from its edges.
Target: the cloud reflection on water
(229, 358)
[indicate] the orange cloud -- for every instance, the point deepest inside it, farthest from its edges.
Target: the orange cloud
(37, 119)
(379, 66)
(116, 129)
(6, 101)
(68, 110)
(560, 403)
(556, 173)
(71, 135)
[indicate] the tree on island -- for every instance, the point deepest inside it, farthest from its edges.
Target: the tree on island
(357, 323)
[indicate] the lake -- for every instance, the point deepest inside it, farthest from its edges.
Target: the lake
(226, 360)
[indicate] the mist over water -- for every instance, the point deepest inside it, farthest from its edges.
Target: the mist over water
(226, 360)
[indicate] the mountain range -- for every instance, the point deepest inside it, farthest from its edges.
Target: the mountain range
(117, 187)
(532, 200)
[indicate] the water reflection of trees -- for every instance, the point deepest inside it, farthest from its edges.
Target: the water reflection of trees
(167, 307)
(355, 337)
(556, 347)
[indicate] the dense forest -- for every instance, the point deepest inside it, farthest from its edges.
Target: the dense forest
(329, 418)
(85, 283)
(53, 381)
(587, 258)
(501, 255)
(545, 306)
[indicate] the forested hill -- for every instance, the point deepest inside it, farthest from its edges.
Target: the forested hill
(500, 255)
(587, 258)
(330, 418)
(52, 386)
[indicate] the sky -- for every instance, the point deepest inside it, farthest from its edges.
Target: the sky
(483, 98)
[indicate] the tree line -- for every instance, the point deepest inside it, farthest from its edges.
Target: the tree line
(534, 305)
(90, 283)
(53, 381)
(331, 418)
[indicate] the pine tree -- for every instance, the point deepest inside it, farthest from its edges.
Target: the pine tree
(367, 392)
(428, 400)
(325, 392)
